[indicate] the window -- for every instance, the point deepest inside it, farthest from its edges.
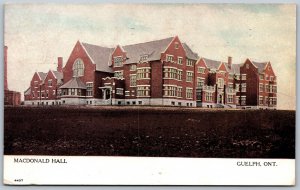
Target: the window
(170, 58)
(79, 92)
(119, 74)
(189, 76)
(170, 73)
(244, 85)
(266, 77)
(243, 100)
(132, 80)
(261, 87)
(261, 100)
(200, 82)
(53, 92)
(143, 91)
(261, 77)
(271, 78)
(180, 60)
(176, 45)
(32, 94)
(179, 75)
(208, 96)
(132, 68)
(230, 77)
(189, 62)
(140, 102)
(89, 89)
(274, 101)
(266, 100)
(179, 91)
(237, 77)
(230, 86)
(50, 82)
(72, 91)
(78, 68)
(237, 87)
(244, 76)
(201, 70)
(170, 91)
(118, 61)
(275, 89)
(189, 93)
(127, 93)
(220, 83)
(247, 66)
(237, 100)
(143, 58)
(143, 73)
(119, 91)
(267, 88)
(229, 98)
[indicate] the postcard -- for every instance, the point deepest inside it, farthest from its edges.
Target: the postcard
(149, 94)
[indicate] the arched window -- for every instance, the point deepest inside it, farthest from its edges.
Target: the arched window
(78, 68)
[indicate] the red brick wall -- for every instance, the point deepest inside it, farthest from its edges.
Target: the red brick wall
(35, 89)
(98, 82)
(179, 52)
(50, 76)
(89, 67)
(251, 83)
(156, 79)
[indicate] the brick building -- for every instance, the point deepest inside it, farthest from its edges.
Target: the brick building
(161, 72)
(10, 97)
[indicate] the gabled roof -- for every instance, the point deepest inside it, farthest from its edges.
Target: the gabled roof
(28, 91)
(74, 83)
(189, 53)
(42, 75)
(236, 68)
(212, 64)
(100, 56)
(260, 65)
(58, 75)
(153, 49)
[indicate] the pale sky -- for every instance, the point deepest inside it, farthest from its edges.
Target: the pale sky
(37, 34)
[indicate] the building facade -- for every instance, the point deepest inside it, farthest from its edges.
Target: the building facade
(163, 72)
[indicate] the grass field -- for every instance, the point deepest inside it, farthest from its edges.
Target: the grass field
(149, 131)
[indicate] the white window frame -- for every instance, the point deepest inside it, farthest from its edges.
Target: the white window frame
(118, 61)
(189, 76)
(89, 89)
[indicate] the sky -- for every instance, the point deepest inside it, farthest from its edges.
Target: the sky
(36, 34)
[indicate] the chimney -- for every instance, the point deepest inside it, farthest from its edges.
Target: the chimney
(229, 61)
(59, 64)
(5, 68)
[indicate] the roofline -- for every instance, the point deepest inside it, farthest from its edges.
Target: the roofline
(224, 65)
(86, 52)
(170, 44)
(203, 61)
(250, 62)
(38, 75)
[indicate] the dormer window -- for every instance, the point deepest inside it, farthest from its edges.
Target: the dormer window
(118, 61)
(78, 68)
(143, 58)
